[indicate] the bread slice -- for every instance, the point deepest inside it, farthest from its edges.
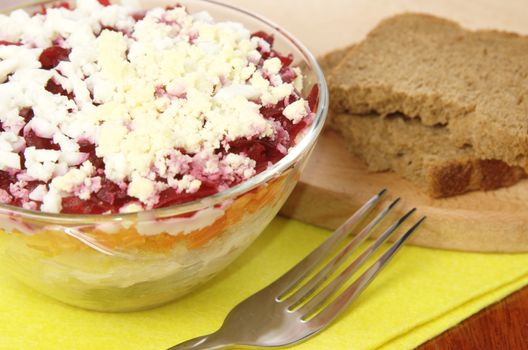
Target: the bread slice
(473, 83)
(422, 154)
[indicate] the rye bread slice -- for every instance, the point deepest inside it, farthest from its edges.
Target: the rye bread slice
(473, 82)
(422, 154)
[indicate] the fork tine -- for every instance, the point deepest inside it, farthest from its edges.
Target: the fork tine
(353, 291)
(306, 290)
(291, 278)
(333, 286)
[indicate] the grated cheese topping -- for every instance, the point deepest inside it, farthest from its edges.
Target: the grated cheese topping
(161, 97)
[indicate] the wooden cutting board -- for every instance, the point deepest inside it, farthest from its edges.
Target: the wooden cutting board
(335, 184)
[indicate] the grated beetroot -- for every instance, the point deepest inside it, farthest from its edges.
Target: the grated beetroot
(86, 146)
(74, 205)
(313, 98)
(33, 140)
(110, 198)
(52, 56)
(285, 60)
(27, 114)
(265, 36)
(275, 112)
(9, 43)
(172, 7)
(288, 75)
(53, 87)
(172, 197)
(30, 186)
(6, 179)
(262, 151)
(139, 16)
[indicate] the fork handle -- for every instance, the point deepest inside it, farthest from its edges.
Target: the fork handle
(206, 342)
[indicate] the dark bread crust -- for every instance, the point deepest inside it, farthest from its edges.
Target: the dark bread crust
(450, 179)
(456, 177)
(497, 174)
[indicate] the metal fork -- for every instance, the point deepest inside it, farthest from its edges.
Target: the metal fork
(295, 307)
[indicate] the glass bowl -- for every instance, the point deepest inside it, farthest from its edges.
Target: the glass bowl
(136, 261)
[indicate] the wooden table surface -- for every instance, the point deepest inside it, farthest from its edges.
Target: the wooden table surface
(500, 326)
(323, 26)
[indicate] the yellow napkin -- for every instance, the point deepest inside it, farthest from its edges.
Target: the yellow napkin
(421, 293)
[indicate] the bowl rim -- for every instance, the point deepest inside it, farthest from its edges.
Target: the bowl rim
(308, 140)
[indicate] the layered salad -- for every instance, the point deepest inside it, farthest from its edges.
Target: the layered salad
(110, 108)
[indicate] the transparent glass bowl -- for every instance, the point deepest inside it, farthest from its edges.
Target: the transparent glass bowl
(137, 261)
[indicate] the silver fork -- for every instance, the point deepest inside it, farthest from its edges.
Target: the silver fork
(294, 308)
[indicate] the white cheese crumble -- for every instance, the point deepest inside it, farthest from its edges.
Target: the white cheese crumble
(158, 97)
(273, 65)
(296, 111)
